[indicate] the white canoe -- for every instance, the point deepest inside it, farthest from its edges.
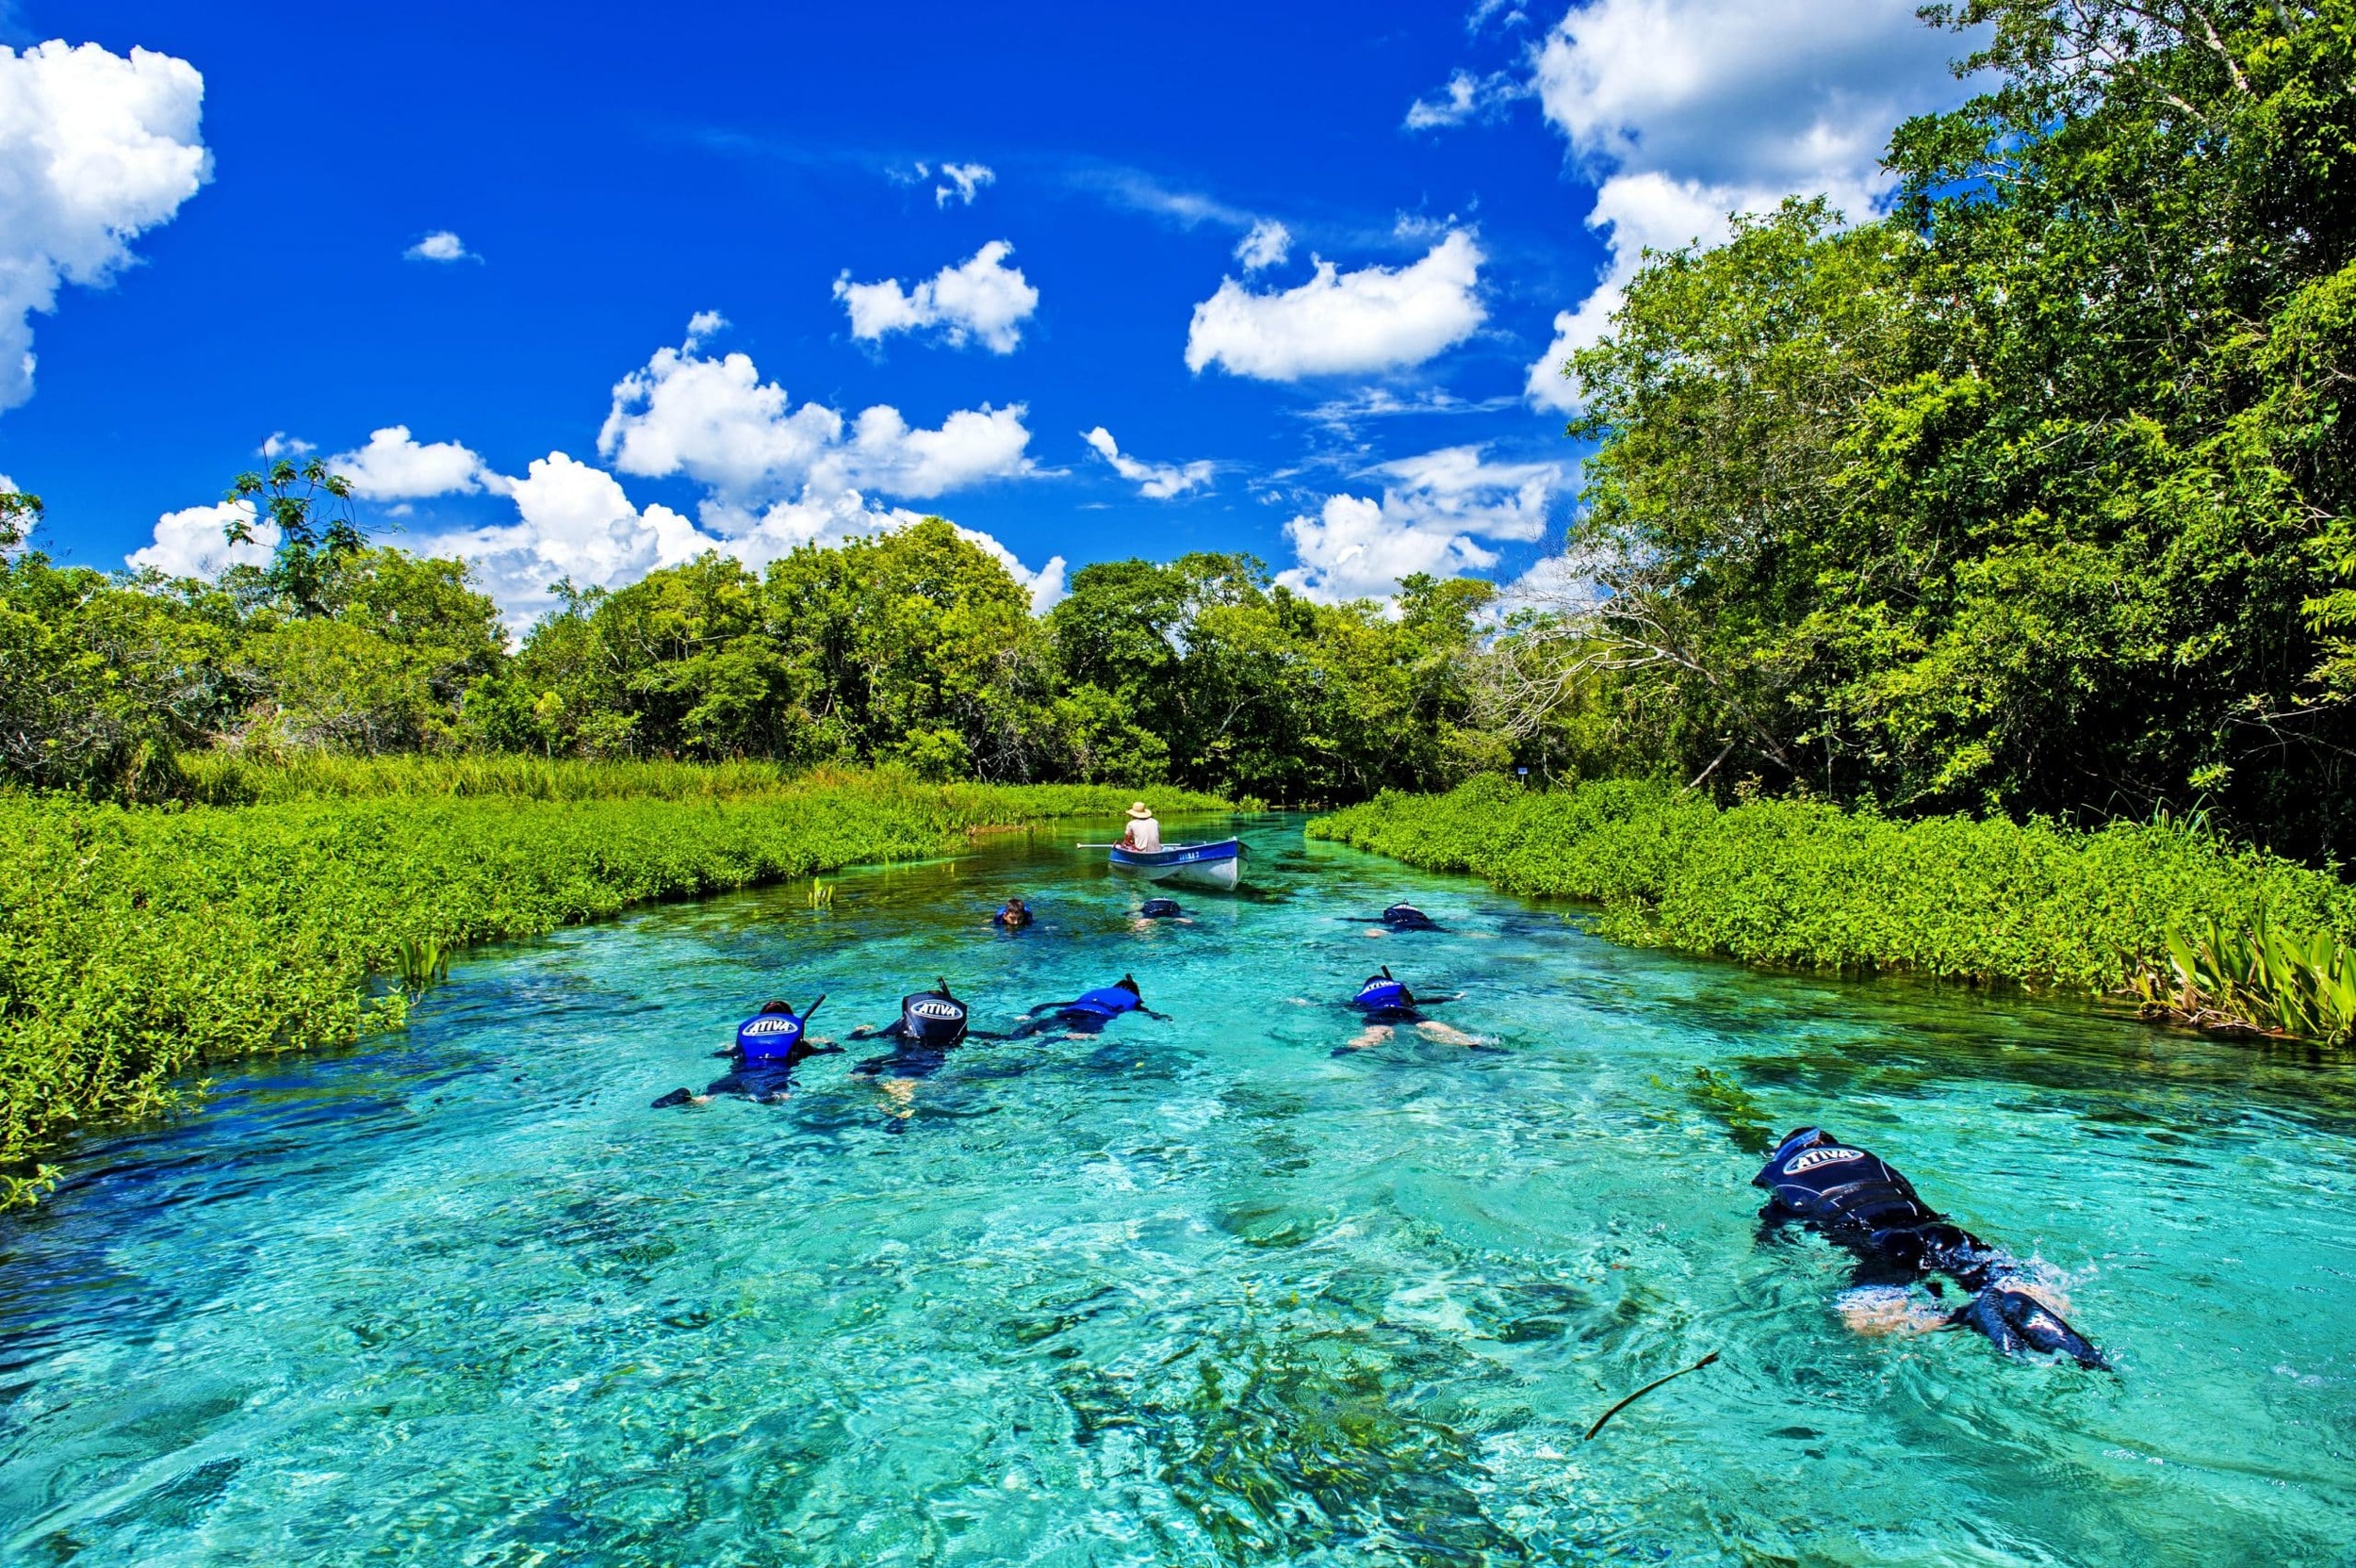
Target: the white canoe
(1216, 865)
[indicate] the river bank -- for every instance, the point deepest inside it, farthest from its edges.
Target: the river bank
(1805, 885)
(139, 944)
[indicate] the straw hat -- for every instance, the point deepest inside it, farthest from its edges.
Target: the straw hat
(1140, 810)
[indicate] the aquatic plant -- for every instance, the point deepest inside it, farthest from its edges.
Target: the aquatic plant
(137, 943)
(1287, 1442)
(821, 894)
(421, 962)
(2258, 979)
(1807, 885)
(1731, 1106)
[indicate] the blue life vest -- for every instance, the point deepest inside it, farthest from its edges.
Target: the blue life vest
(1160, 908)
(1382, 993)
(1106, 1002)
(1406, 916)
(770, 1037)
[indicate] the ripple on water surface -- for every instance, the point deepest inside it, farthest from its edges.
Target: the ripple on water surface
(1199, 1292)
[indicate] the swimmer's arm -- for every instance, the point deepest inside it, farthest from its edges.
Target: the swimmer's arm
(1152, 1013)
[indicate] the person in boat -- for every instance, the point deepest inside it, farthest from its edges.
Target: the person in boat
(1854, 1200)
(1145, 834)
(1385, 1003)
(1088, 1013)
(1013, 915)
(931, 1024)
(768, 1047)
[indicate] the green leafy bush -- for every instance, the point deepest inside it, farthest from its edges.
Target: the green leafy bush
(138, 944)
(1803, 884)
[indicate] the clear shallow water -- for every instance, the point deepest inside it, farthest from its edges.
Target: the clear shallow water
(1193, 1293)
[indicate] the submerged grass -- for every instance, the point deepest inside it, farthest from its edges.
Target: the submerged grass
(1807, 885)
(139, 944)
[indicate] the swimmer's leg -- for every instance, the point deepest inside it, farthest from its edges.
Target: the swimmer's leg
(1431, 1029)
(1371, 1035)
(1890, 1309)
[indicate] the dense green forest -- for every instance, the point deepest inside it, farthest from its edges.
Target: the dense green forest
(2029, 497)
(2033, 495)
(914, 648)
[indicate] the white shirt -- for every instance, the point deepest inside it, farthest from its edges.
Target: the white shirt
(1144, 834)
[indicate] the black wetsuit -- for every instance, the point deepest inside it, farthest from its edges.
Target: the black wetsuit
(1854, 1199)
(1161, 909)
(1406, 916)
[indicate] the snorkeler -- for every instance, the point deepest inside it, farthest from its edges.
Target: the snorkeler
(931, 1024)
(1013, 915)
(1402, 916)
(1089, 1012)
(769, 1046)
(1853, 1200)
(1160, 908)
(1386, 1002)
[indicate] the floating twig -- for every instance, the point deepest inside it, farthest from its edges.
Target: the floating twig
(1642, 1392)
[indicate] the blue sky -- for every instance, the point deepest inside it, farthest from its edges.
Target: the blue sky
(742, 276)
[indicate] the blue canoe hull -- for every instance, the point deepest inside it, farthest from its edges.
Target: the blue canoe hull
(1219, 865)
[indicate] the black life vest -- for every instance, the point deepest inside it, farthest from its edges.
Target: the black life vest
(1816, 1177)
(933, 1018)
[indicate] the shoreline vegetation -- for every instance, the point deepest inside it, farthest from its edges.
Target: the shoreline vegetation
(2193, 929)
(139, 944)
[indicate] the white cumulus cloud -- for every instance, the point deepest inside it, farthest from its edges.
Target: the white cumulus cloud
(441, 245)
(717, 421)
(775, 477)
(981, 299)
(194, 541)
(1434, 511)
(965, 182)
(393, 467)
(1267, 244)
(1684, 111)
(278, 444)
(1155, 480)
(1465, 97)
(95, 148)
(574, 521)
(1343, 323)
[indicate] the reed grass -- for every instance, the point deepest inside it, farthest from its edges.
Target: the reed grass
(1805, 885)
(2257, 979)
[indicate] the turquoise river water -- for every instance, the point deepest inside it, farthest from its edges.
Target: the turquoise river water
(1193, 1292)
